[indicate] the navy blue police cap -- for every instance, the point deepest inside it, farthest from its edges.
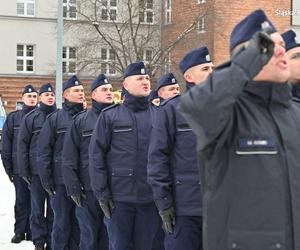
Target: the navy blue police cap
(165, 80)
(46, 88)
(136, 68)
(245, 29)
(194, 58)
(290, 39)
(71, 82)
(99, 81)
(29, 89)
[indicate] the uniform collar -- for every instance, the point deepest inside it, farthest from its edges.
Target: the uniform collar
(26, 109)
(72, 108)
(269, 92)
(136, 103)
(47, 109)
(98, 106)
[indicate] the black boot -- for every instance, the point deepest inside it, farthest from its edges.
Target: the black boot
(18, 238)
(39, 247)
(28, 237)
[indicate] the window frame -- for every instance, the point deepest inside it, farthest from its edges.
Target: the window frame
(25, 58)
(201, 24)
(67, 60)
(25, 7)
(108, 8)
(144, 10)
(108, 62)
(66, 6)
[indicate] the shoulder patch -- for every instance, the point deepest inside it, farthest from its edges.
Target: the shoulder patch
(110, 107)
(79, 113)
(54, 112)
(168, 100)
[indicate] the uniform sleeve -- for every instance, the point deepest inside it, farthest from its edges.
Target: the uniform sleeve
(98, 149)
(24, 139)
(46, 142)
(7, 138)
(71, 159)
(160, 149)
(208, 107)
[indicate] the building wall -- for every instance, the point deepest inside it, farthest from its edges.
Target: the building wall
(296, 16)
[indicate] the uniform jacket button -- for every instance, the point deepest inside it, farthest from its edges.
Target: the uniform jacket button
(234, 245)
(278, 245)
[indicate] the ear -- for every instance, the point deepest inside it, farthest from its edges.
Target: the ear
(125, 84)
(159, 92)
(188, 77)
(65, 94)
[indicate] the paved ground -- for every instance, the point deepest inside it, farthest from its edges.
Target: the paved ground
(7, 197)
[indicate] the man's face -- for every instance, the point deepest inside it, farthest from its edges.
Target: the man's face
(294, 64)
(138, 85)
(198, 73)
(277, 69)
(47, 98)
(74, 94)
(103, 94)
(168, 91)
(30, 99)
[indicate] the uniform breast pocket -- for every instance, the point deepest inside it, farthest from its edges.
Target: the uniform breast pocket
(184, 127)
(122, 180)
(36, 131)
(123, 136)
(122, 129)
(256, 146)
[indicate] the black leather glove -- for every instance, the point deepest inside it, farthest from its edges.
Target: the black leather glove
(107, 206)
(50, 191)
(10, 174)
(168, 218)
(27, 179)
(79, 199)
(262, 41)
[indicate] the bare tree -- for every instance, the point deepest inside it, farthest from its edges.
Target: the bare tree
(128, 31)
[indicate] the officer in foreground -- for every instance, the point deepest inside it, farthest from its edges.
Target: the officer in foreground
(118, 161)
(172, 163)
(93, 233)
(249, 153)
(9, 158)
(41, 225)
(65, 231)
(292, 46)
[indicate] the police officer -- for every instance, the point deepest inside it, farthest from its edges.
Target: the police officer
(93, 233)
(118, 161)
(30, 128)
(167, 87)
(248, 144)
(172, 163)
(292, 46)
(65, 231)
(9, 158)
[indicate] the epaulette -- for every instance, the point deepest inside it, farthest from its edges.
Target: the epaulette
(54, 112)
(110, 107)
(164, 102)
(81, 112)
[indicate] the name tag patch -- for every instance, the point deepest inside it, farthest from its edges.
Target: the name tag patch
(248, 146)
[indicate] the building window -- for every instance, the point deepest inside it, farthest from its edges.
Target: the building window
(146, 11)
(147, 56)
(201, 1)
(168, 11)
(25, 7)
(201, 25)
(109, 10)
(69, 60)
(69, 9)
(108, 58)
(25, 58)
(168, 62)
